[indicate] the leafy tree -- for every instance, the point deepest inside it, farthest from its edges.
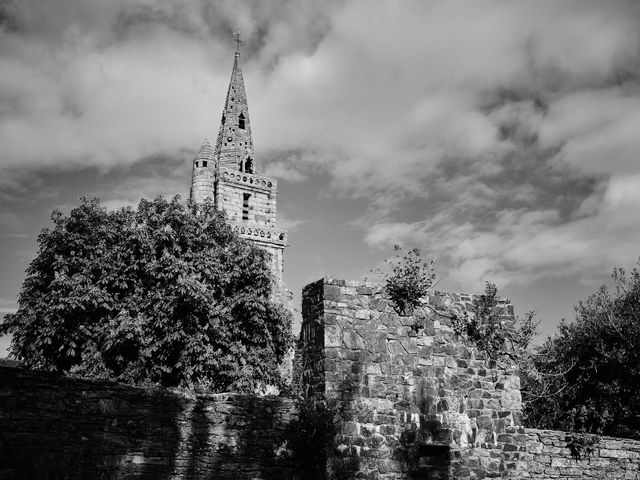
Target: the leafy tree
(165, 294)
(588, 374)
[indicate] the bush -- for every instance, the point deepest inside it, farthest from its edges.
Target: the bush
(409, 280)
(486, 327)
(311, 432)
(589, 372)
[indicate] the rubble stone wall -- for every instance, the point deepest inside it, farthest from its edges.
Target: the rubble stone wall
(549, 458)
(414, 402)
(60, 428)
(407, 400)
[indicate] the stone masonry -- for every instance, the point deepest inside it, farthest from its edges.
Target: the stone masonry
(414, 402)
(409, 401)
(61, 428)
(203, 175)
(548, 458)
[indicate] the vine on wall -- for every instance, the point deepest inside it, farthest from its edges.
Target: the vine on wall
(310, 434)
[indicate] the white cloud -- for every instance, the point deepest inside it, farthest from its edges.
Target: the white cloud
(390, 90)
(523, 246)
(598, 130)
(107, 107)
(623, 193)
(289, 224)
(502, 133)
(283, 171)
(7, 306)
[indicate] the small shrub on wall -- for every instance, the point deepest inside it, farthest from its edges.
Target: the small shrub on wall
(486, 328)
(409, 279)
(582, 445)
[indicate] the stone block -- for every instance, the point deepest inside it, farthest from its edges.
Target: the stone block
(617, 453)
(332, 336)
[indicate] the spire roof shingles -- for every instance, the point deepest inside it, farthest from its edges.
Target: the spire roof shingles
(234, 144)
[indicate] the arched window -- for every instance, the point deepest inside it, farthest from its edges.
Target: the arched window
(248, 165)
(241, 121)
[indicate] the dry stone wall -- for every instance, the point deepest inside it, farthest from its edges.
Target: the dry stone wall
(61, 428)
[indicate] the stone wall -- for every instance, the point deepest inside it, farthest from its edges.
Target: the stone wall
(550, 458)
(413, 401)
(407, 400)
(61, 428)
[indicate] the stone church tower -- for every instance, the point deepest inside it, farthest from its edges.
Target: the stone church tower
(227, 174)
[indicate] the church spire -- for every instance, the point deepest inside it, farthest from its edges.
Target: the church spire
(234, 147)
(227, 174)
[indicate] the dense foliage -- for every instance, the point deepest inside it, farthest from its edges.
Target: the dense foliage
(310, 432)
(588, 374)
(409, 280)
(165, 294)
(492, 331)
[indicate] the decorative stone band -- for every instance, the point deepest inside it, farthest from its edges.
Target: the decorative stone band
(234, 176)
(261, 234)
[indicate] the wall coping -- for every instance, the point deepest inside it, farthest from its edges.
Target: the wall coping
(378, 288)
(562, 433)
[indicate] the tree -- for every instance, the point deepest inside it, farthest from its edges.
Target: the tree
(589, 372)
(165, 294)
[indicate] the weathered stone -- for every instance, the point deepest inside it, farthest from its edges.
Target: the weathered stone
(429, 409)
(71, 428)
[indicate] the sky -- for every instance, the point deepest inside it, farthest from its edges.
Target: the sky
(499, 137)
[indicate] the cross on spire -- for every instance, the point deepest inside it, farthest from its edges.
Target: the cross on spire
(236, 38)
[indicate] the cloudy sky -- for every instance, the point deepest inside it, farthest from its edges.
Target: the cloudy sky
(500, 137)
